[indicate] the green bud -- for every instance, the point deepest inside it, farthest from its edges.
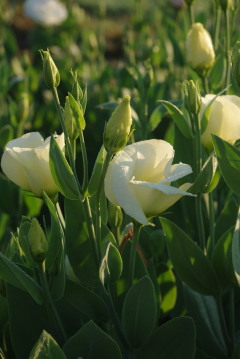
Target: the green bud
(118, 128)
(111, 265)
(115, 216)
(70, 121)
(236, 64)
(37, 242)
(192, 97)
(50, 70)
(76, 88)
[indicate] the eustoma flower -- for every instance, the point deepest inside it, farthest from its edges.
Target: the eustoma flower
(223, 119)
(26, 163)
(46, 12)
(139, 179)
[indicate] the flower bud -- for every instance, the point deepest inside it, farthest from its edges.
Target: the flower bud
(192, 97)
(117, 130)
(236, 64)
(50, 70)
(76, 88)
(199, 48)
(70, 121)
(37, 242)
(115, 216)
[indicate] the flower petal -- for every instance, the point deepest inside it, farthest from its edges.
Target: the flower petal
(177, 171)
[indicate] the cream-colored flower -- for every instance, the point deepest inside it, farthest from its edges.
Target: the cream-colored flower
(199, 48)
(139, 179)
(45, 12)
(223, 119)
(25, 162)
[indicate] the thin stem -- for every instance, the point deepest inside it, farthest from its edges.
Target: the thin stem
(198, 163)
(49, 302)
(223, 323)
(68, 145)
(228, 49)
(232, 317)
(97, 201)
(217, 27)
(192, 18)
(136, 232)
(205, 83)
(85, 161)
(91, 230)
(211, 217)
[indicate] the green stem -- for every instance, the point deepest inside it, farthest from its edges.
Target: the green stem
(91, 229)
(211, 217)
(68, 145)
(232, 317)
(85, 161)
(228, 48)
(136, 232)
(205, 83)
(97, 201)
(198, 163)
(217, 27)
(223, 323)
(49, 302)
(192, 18)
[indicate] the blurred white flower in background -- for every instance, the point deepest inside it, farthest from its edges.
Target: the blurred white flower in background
(45, 12)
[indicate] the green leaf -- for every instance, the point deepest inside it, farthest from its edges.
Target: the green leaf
(46, 348)
(91, 342)
(62, 172)
(222, 260)
(86, 301)
(172, 340)
(236, 249)
(205, 178)
(203, 309)
(168, 288)
(27, 321)
(139, 312)
(14, 275)
(23, 238)
(77, 112)
(6, 135)
(55, 256)
(111, 265)
(229, 162)
(178, 118)
(97, 170)
(190, 263)
(155, 118)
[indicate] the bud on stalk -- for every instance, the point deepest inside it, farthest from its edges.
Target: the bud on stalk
(118, 128)
(192, 97)
(37, 242)
(199, 48)
(50, 70)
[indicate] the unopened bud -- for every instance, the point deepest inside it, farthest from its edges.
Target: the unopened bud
(37, 242)
(199, 48)
(192, 97)
(76, 88)
(115, 216)
(236, 64)
(50, 70)
(117, 130)
(70, 121)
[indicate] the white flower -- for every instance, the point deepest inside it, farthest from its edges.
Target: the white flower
(139, 177)
(199, 48)
(223, 119)
(25, 162)
(45, 12)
